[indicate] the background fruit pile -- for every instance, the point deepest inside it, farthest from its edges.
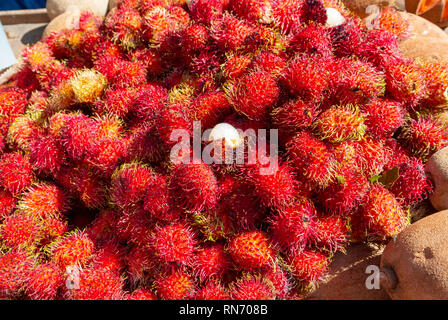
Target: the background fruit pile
(85, 172)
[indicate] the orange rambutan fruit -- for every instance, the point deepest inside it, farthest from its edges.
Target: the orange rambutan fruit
(251, 250)
(383, 117)
(235, 66)
(13, 101)
(75, 248)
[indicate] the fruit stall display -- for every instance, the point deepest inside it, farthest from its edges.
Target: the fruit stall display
(86, 178)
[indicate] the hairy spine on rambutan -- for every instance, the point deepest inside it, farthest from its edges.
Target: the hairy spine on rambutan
(15, 269)
(412, 184)
(176, 285)
(116, 102)
(212, 290)
(125, 24)
(73, 249)
(45, 281)
(7, 203)
(15, 172)
(174, 244)
(254, 95)
(313, 11)
(308, 266)
(195, 185)
(370, 155)
(47, 155)
(211, 262)
(383, 117)
(230, 32)
(312, 39)
(331, 233)
(382, 214)
(293, 226)
(252, 10)
(311, 157)
(251, 250)
(252, 287)
(294, 115)
(20, 231)
(424, 136)
(209, 108)
(340, 123)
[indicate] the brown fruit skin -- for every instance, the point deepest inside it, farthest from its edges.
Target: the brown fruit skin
(415, 265)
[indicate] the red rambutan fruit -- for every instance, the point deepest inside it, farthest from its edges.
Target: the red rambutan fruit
(212, 290)
(307, 265)
(144, 144)
(343, 195)
(436, 78)
(20, 231)
(254, 95)
(44, 281)
(150, 59)
(211, 262)
(395, 154)
(405, 81)
(141, 294)
(380, 48)
(230, 33)
(383, 117)
(294, 115)
(251, 250)
(174, 244)
(424, 136)
(412, 184)
(195, 186)
(340, 123)
(150, 101)
(15, 268)
(116, 102)
(97, 284)
(23, 131)
(44, 201)
(371, 156)
(12, 102)
(173, 118)
(129, 184)
(209, 108)
(39, 56)
(293, 225)
(205, 11)
(73, 249)
(177, 285)
(252, 10)
(252, 288)
(269, 62)
(77, 136)
(391, 20)
(307, 76)
(357, 81)
(312, 11)
(195, 38)
(311, 157)
(331, 233)
(140, 264)
(214, 225)
(125, 25)
(286, 14)
(15, 172)
(382, 214)
(235, 66)
(53, 228)
(106, 154)
(7, 203)
(274, 185)
(46, 154)
(280, 281)
(312, 39)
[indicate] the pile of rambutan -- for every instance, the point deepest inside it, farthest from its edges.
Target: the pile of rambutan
(93, 207)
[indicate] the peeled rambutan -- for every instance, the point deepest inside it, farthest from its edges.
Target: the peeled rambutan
(383, 117)
(412, 184)
(347, 191)
(15, 172)
(7, 203)
(331, 233)
(211, 262)
(73, 249)
(405, 82)
(129, 184)
(311, 157)
(382, 214)
(45, 281)
(251, 250)
(174, 244)
(293, 225)
(177, 285)
(308, 266)
(195, 185)
(96, 283)
(424, 136)
(251, 287)
(20, 231)
(212, 290)
(254, 95)
(340, 123)
(15, 268)
(43, 201)
(307, 76)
